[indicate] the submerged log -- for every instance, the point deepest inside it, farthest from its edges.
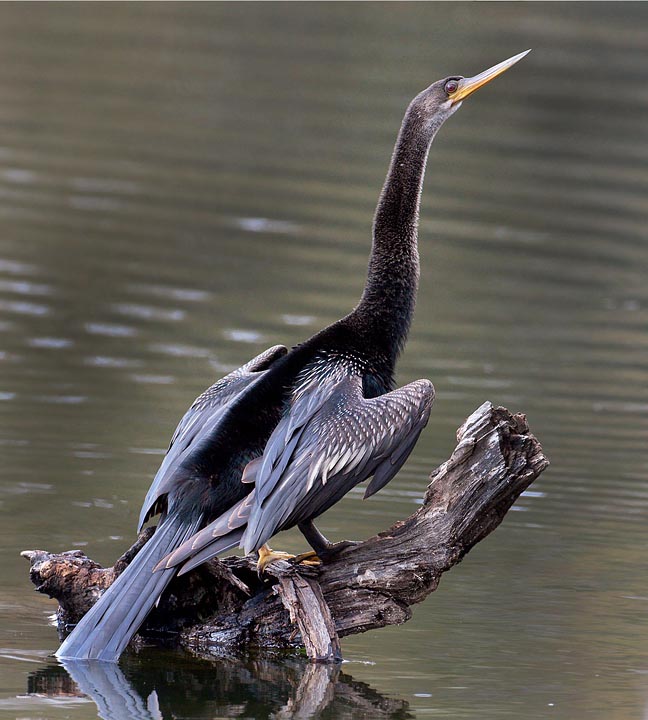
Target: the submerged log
(224, 605)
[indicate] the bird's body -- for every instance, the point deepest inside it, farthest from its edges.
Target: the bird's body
(282, 439)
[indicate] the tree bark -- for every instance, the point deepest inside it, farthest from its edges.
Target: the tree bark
(224, 605)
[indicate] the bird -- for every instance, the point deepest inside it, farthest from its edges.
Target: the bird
(277, 442)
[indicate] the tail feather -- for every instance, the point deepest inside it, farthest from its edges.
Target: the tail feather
(106, 629)
(216, 537)
(226, 542)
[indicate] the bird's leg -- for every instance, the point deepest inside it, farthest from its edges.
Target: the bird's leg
(267, 555)
(316, 540)
(322, 546)
(323, 549)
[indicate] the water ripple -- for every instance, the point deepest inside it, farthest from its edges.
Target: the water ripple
(110, 329)
(177, 350)
(49, 343)
(147, 312)
(298, 320)
(112, 362)
(18, 175)
(153, 379)
(24, 308)
(243, 336)
(62, 399)
(22, 287)
(167, 291)
(108, 185)
(265, 225)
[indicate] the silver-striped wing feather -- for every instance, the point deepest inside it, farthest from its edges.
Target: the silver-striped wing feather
(332, 439)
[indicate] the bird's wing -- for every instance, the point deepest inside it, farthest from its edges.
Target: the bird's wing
(332, 439)
(200, 419)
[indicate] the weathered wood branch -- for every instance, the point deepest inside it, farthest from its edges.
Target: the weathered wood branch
(223, 604)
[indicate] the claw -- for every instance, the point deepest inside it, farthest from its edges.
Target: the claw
(267, 555)
(307, 558)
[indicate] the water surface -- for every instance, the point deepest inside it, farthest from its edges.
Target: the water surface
(182, 186)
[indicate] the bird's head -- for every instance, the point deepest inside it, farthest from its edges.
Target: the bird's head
(437, 102)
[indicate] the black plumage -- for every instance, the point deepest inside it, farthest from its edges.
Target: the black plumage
(278, 442)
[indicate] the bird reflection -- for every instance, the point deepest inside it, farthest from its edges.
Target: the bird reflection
(114, 696)
(155, 686)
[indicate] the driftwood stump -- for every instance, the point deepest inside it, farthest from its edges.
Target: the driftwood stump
(223, 605)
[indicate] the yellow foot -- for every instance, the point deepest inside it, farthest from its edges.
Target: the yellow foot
(308, 558)
(267, 555)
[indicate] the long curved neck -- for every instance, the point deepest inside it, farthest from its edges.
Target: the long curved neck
(387, 305)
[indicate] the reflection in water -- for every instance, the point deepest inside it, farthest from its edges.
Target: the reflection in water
(105, 683)
(148, 688)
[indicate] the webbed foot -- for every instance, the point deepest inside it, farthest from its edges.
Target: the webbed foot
(308, 558)
(267, 555)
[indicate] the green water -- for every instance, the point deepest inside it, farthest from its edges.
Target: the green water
(183, 185)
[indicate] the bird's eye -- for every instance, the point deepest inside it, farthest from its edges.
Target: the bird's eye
(451, 87)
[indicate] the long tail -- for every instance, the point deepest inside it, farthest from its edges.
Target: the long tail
(106, 629)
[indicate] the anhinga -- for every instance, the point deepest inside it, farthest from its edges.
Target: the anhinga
(279, 441)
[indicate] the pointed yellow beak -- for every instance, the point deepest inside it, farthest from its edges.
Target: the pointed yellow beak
(467, 86)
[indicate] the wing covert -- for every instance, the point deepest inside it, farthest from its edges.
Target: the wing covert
(340, 440)
(201, 418)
